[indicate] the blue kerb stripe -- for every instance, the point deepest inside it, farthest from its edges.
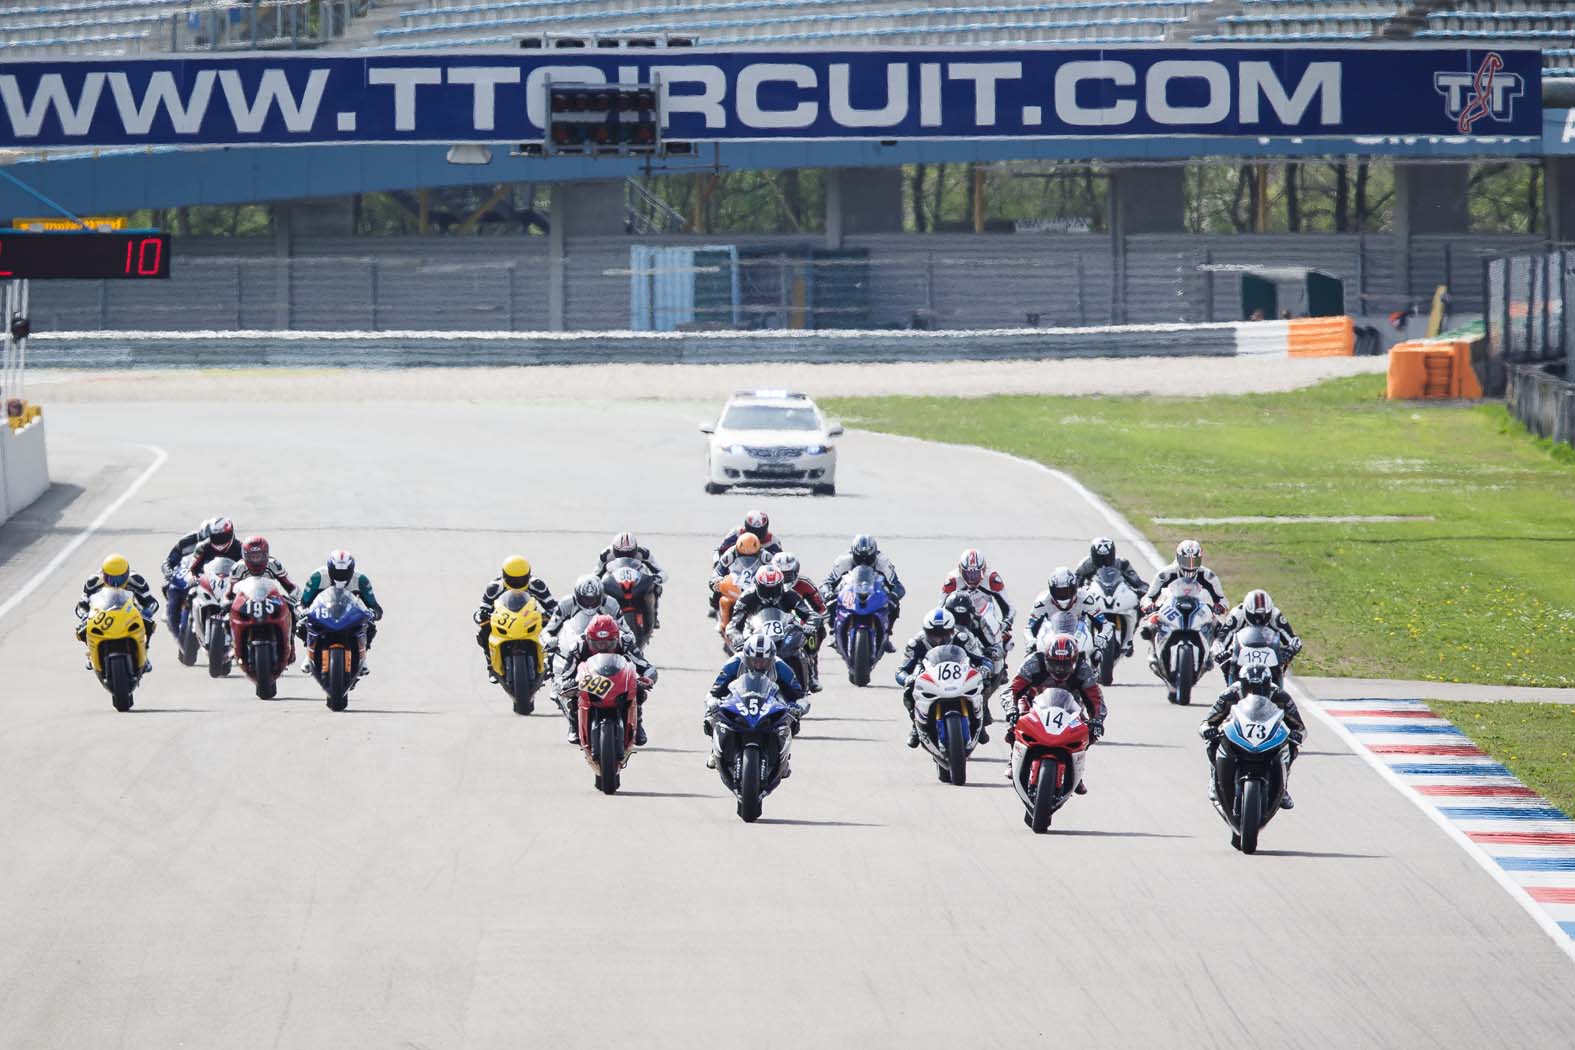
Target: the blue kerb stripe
(1536, 863)
(1568, 927)
(1445, 769)
(1503, 812)
(1407, 728)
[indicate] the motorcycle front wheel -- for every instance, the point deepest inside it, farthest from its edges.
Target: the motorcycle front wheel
(522, 680)
(609, 753)
(956, 728)
(218, 651)
(1250, 817)
(338, 679)
(118, 672)
(749, 785)
(1044, 795)
(1186, 674)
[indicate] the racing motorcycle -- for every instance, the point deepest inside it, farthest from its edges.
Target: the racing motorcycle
(336, 642)
(116, 643)
(789, 636)
(1255, 646)
(860, 627)
(1068, 622)
(739, 577)
(1113, 605)
(1250, 767)
(210, 617)
(633, 586)
(566, 640)
(751, 735)
(178, 592)
(260, 632)
(1049, 746)
(948, 710)
(1181, 630)
(514, 648)
(609, 712)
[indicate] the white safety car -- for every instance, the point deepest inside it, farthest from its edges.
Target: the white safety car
(771, 438)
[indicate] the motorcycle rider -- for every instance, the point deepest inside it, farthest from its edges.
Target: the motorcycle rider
(339, 571)
(218, 532)
(1256, 610)
(624, 545)
(748, 546)
(769, 589)
(257, 562)
(758, 655)
(1060, 596)
(1187, 566)
(967, 619)
(516, 576)
(789, 565)
(115, 572)
(1102, 555)
(1059, 666)
(973, 576)
(865, 551)
(757, 523)
(604, 634)
(1259, 680)
(939, 628)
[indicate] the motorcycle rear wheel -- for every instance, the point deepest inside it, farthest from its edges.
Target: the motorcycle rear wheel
(522, 680)
(749, 785)
(118, 672)
(1107, 661)
(1250, 817)
(1044, 795)
(189, 643)
(218, 649)
(609, 753)
(957, 747)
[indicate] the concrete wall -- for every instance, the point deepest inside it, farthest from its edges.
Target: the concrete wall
(24, 467)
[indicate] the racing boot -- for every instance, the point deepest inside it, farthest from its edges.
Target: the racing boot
(1081, 789)
(913, 737)
(710, 760)
(1285, 800)
(1214, 791)
(640, 738)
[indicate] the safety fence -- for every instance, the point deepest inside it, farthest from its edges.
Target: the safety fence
(1530, 351)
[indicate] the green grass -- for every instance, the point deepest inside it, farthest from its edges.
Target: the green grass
(1536, 742)
(1484, 592)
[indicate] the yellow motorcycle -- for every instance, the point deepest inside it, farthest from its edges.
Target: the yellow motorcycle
(117, 643)
(515, 649)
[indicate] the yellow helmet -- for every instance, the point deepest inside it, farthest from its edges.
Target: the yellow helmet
(516, 572)
(116, 570)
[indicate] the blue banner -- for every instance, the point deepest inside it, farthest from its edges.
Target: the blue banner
(1558, 132)
(729, 96)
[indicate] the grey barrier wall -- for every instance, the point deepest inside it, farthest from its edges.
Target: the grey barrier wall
(1530, 355)
(934, 281)
(1543, 401)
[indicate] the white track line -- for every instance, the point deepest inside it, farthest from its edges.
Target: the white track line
(1120, 524)
(37, 581)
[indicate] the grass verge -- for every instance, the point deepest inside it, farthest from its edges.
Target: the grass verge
(1481, 590)
(1536, 742)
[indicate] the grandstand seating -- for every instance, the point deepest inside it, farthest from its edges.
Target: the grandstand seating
(468, 23)
(1548, 24)
(83, 27)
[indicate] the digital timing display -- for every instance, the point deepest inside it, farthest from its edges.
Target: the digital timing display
(84, 256)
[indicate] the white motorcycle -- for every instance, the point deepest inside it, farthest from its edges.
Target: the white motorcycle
(1074, 624)
(1108, 597)
(210, 616)
(1182, 633)
(948, 710)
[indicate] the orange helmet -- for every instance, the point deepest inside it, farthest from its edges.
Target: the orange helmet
(748, 544)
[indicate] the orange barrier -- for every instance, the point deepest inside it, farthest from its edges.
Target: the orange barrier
(1437, 369)
(1321, 337)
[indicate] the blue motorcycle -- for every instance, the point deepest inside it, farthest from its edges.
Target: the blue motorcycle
(177, 606)
(752, 733)
(336, 630)
(861, 622)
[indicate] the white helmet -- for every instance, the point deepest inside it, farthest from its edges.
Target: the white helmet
(1189, 558)
(1063, 588)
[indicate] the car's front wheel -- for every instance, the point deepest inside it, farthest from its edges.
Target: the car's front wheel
(712, 488)
(825, 490)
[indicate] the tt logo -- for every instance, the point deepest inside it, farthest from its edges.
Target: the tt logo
(1489, 93)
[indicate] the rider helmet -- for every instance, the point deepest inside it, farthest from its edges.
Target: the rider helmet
(757, 524)
(1103, 552)
(768, 584)
(939, 627)
(516, 573)
(1061, 657)
(1258, 607)
(624, 545)
(962, 610)
(864, 549)
(254, 553)
(588, 592)
(1258, 679)
(1189, 558)
(341, 567)
(116, 570)
(221, 532)
(787, 565)
(971, 567)
(748, 545)
(759, 654)
(602, 634)
(1063, 588)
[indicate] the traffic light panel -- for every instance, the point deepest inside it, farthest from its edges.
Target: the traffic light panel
(602, 118)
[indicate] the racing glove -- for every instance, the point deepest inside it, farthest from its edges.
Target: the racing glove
(1206, 731)
(1096, 729)
(902, 679)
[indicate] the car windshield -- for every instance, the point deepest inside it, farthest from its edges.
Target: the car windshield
(769, 417)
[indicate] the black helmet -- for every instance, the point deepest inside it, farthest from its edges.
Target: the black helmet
(588, 592)
(961, 609)
(1103, 552)
(864, 549)
(1258, 680)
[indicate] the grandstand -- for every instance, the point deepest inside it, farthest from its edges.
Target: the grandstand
(110, 28)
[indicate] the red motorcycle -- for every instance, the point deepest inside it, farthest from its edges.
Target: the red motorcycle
(260, 627)
(1049, 747)
(609, 691)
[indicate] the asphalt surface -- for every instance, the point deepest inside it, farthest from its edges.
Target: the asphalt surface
(430, 870)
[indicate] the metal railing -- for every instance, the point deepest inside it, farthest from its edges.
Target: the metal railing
(1530, 315)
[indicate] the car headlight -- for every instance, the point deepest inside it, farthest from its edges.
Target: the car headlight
(734, 450)
(815, 450)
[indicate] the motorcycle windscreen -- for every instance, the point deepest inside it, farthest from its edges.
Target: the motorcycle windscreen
(513, 601)
(1057, 709)
(110, 599)
(947, 654)
(335, 606)
(1257, 723)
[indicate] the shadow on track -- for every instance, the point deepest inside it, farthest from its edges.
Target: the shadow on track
(788, 821)
(353, 710)
(170, 710)
(845, 739)
(1322, 856)
(1093, 833)
(666, 794)
(849, 718)
(1139, 743)
(673, 750)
